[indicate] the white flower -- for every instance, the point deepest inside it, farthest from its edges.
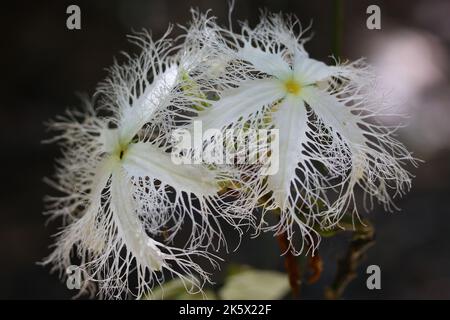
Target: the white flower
(120, 188)
(329, 140)
(124, 200)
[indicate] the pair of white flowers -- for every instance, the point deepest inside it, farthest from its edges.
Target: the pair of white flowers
(123, 200)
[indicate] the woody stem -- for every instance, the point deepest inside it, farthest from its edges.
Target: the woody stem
(290, 264)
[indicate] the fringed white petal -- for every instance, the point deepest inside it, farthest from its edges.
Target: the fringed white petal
(129, 228)
(146, 160)
(291, 121)
(271, 63)
(137, 88)
(126, 249)
(181, 191)
(77, 171)
(334, 114)
(294, 186)
(376, 158)
(309, 71)
(143, 109)
(239, 103)
(83, 233)
(138, 251)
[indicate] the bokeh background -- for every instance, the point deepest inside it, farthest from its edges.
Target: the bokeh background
(44, 65)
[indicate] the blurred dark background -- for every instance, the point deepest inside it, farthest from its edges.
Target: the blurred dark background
(44, 64)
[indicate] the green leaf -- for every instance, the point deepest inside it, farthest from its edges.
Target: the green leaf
(254, 284)
(175, 290)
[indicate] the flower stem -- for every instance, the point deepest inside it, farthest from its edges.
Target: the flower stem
(290, 264)
(338, 26)
(362, 240)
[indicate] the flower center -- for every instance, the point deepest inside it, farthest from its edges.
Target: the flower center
(121, 151)
(292, 86)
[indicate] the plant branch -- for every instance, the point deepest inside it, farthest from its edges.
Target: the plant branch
(338, 26)
(362, 240)
(290, 264)
(315, 265)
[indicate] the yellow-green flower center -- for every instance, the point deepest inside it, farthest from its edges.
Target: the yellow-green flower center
(292, 86)
(121, 150)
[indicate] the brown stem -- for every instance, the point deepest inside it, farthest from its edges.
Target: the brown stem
(315, 265)
(362, 240)
(290, 264)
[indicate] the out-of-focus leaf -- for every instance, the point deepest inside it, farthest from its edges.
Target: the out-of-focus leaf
(234, 269)
(175, 290)
(254, 284)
